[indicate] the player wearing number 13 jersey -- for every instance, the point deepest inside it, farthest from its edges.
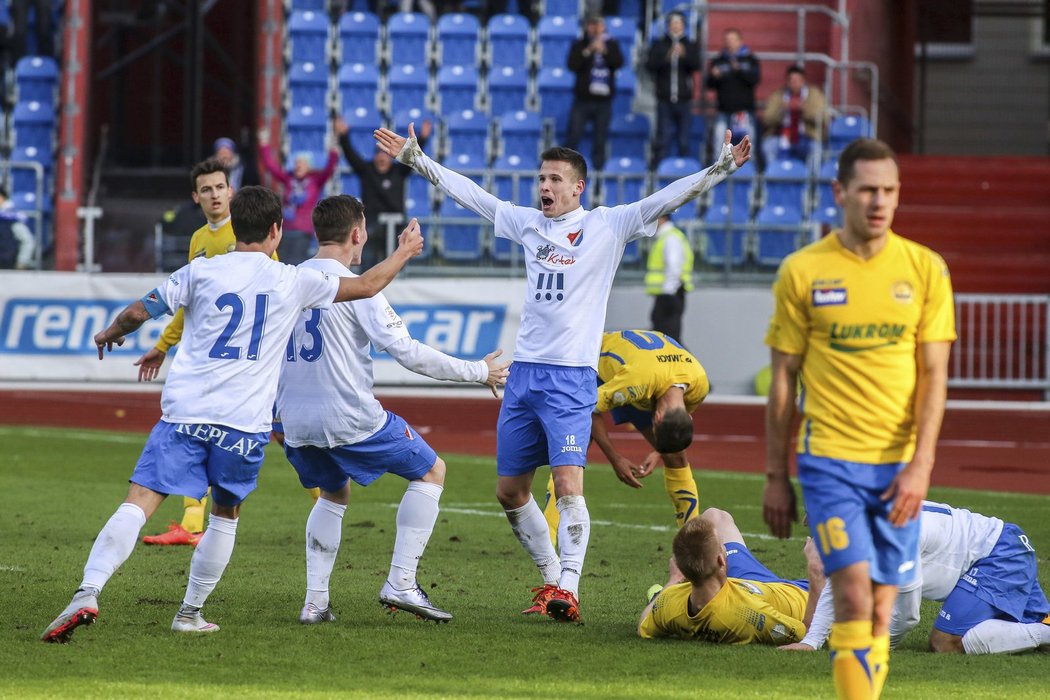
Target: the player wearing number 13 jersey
(571, 256)
(217, 403)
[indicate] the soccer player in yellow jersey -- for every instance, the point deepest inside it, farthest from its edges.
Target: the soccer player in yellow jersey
(719, 592)
(864, 319)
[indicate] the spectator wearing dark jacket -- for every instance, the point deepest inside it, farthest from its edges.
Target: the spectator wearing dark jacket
(673, 60)
(733, 75)
(594, 58)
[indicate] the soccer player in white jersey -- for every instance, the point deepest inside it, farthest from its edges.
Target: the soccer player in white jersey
(335, 430)
(983, 569)
(239, 309)
(571, 256)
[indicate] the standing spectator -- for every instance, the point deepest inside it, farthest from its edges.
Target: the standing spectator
(17, 243)
(673, 60)
(733, 75)
(794, 117)
(303, 186)
(226, 153)
(382, 188)
(594, 58)
(668, 276)
(45, 37)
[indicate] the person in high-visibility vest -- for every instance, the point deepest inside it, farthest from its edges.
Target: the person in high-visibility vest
(668, 276)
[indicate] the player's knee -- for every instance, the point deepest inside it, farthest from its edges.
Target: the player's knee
(436, 475)
(944, 643)
(718, 517)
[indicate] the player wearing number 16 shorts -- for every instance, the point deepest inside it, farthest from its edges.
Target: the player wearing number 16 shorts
(571, 256)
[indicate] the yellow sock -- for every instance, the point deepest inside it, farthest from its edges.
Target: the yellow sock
(193, 513)
(550, 511)
(879, 658)
(851, 644)
(681, 489)
(315, 493)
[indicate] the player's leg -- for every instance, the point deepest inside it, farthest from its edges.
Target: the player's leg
(550, 510)
(277, 435)
(679, 483)
(725, 526)
(188, 530)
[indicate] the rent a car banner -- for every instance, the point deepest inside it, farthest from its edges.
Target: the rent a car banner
(48, 321)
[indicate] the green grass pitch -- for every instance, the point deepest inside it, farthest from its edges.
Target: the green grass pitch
(59, 487)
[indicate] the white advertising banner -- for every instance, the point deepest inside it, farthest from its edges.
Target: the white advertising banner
(48, 320)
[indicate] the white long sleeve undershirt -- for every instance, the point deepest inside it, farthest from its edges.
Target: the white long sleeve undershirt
(423, 359)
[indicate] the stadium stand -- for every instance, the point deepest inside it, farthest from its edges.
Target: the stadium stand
(308, 85)
(738, 190)
(625, 31)
(562, 8)
(467, 131)
(777, 233)
(623, 180)
(408, 39)
(462, 232)
(308, 37)
(362, 122)
(626, 82)
(360, 38)
(36, 79)
(554, 36)
(358, 86)
(629, 135)
(513, 180)
(33, 125)
(554, 90)
(406, 87)
(725, 235)
(785, 184)
(457, 39)
(520, 133)
(457, 88)
(844, 129)
(508, 41)
(307, 127)
(508, 89)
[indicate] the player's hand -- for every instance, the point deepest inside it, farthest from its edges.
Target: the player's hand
(410, 242)
(742, 151)
(149, 364)
(648, 464)
(498, 372)
(341, 127)
(778, 507)
(105, 343)
(674, 574)
(797, 646)
(907, 491)
(625, 471)
(391, 142)
(813, 561)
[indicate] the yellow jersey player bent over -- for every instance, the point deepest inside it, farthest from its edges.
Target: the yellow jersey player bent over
(865, 319)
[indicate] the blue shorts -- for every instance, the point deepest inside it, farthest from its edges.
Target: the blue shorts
(741, 563)
(1000, 586)
(545, 417)
(394, 449)
(635, 416)
(848, 521)
(187, 458)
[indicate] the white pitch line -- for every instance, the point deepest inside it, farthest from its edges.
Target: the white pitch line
(11, 567)
(74, 435)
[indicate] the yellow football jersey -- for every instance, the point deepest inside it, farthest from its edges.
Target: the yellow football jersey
(743, 612)
(857, 324)
(638, 367)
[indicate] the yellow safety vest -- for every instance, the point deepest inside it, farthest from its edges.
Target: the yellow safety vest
(654, 270)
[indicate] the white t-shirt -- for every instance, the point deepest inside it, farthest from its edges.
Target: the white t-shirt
(240, 309)
(325, 397)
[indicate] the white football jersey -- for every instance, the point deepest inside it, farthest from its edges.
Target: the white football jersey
(951, 540)
(240, 309)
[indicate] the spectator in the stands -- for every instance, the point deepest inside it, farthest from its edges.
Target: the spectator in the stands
(43, 28)
(794, 117)
(594, 58)
(17, 243)
(733, 75)
(673, 60)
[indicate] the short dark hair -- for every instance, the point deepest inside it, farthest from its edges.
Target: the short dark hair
(207, 167)
(253, 210)
(696, 548)
(335, 216)
(567, 155)
(795, 68)
(862, 149)
(674, 432)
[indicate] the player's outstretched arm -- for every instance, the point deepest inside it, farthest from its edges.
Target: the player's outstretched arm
(410, 244)
(127, 321)
(460, 188)
(429, 362)
(680, 191)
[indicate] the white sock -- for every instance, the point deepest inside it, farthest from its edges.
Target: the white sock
(210, 559)
(324, 533)
(1004, 637)
(530, 527)
(574, 530)
(415, 523)
(113, 546)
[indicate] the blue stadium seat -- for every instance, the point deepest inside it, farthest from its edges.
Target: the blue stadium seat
(24, 178)
(555, 35)
(508, 41)
(36, 78)
(33, 124)
(308, 85)
(307, 127)
(625, 31)
(629, 134)
(671, 169)
(698, 132)
(554, 87)
(358, 85)
(631, 9)
(418, 196)
(408, 39)
(561, 8)
(457, 88)
(467, 131)
(520, 133)
(359, 38)
(777, 231)
(508, 89)
(725, 235)
(350, 183)
(785, 184)
(308, 37)
(846, 128)
(457, 37)
(737, 190)
(462, 232)
(514, 179)
(825, 194)
(416, 115)
(624, 180)
(406, 87)
(363, 121)
(315, 5)
(626, 82)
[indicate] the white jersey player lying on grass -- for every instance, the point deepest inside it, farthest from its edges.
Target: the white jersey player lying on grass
(985, 572)
(217, 403)
(335, 430)
(571, 256)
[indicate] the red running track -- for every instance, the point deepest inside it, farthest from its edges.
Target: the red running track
(993, 449)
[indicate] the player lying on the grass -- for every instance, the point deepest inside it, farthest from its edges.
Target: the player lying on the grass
(985, 572)
(648, 380)
(571, 256)
(335, 430)
(718, 592)
(217, 403)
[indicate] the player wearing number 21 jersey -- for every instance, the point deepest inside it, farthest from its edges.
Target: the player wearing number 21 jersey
(217, 402)
(571, 256)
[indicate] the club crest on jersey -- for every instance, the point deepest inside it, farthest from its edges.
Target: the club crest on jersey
(544, 250)
(902, 292)
(575, 238)
(834, 296)
(408, 434)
